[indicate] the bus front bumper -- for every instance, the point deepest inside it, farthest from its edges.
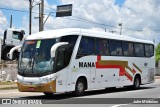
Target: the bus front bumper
(49, 87)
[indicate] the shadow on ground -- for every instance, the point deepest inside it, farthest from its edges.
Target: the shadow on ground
(63, 96)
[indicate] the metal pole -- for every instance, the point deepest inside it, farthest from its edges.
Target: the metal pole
(42, 12)
(30, 16)
(39, 17)
(11, 22)
(120, 24)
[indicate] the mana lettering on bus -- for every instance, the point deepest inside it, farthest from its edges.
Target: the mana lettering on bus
(86, 64)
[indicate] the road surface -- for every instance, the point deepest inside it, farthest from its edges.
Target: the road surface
(149, 91)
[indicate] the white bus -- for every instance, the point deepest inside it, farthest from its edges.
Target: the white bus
(75, 60)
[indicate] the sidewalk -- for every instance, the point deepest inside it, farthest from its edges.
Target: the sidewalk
(14, 86)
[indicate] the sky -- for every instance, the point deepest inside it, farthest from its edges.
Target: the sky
(139, 18)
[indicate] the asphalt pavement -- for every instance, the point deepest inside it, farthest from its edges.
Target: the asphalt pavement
(120, 97)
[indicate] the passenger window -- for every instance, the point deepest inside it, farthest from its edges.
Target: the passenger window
(115, 48)
(71, 39)
(139, 50)
(60, 64)
(102, 47)
(128, 49)
(149, 50)
(86, 46)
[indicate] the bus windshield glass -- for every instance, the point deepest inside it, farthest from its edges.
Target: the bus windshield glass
(35, 58)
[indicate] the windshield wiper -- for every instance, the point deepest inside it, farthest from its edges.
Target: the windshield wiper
(28, 64)
(33, 59)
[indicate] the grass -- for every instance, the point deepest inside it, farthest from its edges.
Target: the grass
(7, 83)
(8, 88)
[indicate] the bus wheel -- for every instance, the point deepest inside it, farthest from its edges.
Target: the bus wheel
(137, 82)
(80, 87)
(110, 89)
(5, 57)
(48, 94)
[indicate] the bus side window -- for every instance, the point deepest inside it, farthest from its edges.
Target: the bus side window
(101, 47)
(128, 49)
(139, 49)
(115, 47)
(86, 47)
(71, 39)
(149, 51)
(60, 61)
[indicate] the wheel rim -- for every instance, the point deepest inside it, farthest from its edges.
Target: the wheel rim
(80, 87)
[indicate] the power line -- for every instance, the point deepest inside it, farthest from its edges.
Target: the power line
(2, 8)
(95, 22)
(50, 7)
(79, 19)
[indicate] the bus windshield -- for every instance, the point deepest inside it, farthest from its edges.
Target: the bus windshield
(35, 58)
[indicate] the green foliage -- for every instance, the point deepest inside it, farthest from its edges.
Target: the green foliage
(158, 52)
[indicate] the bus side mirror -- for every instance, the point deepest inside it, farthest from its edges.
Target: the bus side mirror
(10, 54)
(55, 47)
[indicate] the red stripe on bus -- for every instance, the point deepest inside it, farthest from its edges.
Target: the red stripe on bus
(128, 76)
(122, 71)
(134, 71)
(98, 58)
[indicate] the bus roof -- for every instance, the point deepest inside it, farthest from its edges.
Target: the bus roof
(86, 32)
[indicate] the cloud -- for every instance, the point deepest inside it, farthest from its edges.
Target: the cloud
(140, 18)
(3, 23)
(15, 4)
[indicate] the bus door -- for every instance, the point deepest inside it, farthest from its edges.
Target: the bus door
(61, 69)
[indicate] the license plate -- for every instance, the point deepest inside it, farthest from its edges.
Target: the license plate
(31, 89)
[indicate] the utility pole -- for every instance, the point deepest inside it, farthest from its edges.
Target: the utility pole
(41, 16)
(11, 22)
(120, 24)
(30, 16)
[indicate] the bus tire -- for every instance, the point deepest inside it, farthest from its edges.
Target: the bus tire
(48, 94)
(5, 55)
(137, 82)
(80, 87)
(110, 88)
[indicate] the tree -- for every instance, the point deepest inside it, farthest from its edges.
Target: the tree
(158, 53)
